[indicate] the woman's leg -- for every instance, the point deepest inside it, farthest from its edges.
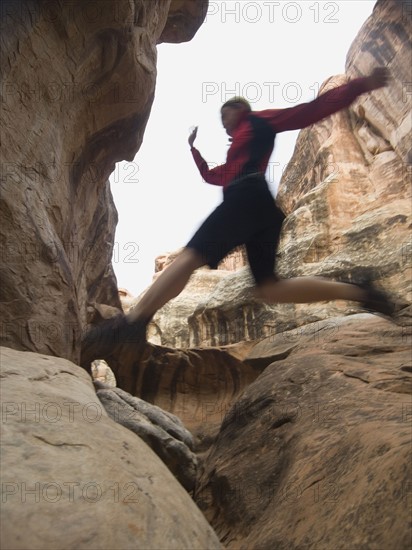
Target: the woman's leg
(308, 289)
(168, 285)
(207, 246)
(261, 250)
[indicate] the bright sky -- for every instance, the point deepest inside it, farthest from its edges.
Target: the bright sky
(274, 53)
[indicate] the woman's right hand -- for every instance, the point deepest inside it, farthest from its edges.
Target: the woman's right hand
(192, 136)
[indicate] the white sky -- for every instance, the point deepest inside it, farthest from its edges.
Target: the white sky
(274, 53)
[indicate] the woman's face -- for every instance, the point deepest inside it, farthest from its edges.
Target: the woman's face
(231, 117)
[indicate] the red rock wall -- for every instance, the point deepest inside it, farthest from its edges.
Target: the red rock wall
(78, 85)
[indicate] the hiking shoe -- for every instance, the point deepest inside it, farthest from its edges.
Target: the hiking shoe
(376, 300)
(99, 342)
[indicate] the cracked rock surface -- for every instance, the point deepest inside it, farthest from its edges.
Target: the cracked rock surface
(162, 431)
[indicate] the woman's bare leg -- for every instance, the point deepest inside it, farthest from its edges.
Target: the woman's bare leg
(301, 290)
(168, 285)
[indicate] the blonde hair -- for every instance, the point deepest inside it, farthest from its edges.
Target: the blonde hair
(237, 102)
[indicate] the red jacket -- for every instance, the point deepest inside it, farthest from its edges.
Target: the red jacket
(253, 139)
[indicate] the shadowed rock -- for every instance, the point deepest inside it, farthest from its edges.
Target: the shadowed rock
(162, 431)
(64, 126)
(316, 452)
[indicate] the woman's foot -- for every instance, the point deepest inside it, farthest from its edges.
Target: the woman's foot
(98, 342)
(376, 301)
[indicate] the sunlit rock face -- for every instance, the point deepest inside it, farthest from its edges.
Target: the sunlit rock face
(78, 85)
(347, 189)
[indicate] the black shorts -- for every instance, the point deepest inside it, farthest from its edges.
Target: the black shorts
(248, 215)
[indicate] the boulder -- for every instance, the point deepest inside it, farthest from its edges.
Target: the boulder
(101, 372)
(316, 452)
(72, 478)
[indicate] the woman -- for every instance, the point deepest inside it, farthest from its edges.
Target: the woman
(248, 215)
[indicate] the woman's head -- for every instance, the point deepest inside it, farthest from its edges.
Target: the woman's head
(232, 111)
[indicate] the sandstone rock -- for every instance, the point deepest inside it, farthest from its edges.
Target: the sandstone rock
(234, 260)
(231, 314)
(171, 324)
(126, 299)
(164, 260)
(197, 385)
(316, 452)
(184, 19)
(162, 431)
(64, 126)
(347, 188)
(101, 372)
(98, 312)
(385, 39)
(72, 478)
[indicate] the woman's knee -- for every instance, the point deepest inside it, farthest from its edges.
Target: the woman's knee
(264, 289)
(191, 258)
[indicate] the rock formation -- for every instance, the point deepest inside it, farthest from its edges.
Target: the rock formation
(302, 437)
(316, 452)
(197, 385)
(163, 432)
(73, 478)
(170, 325)
(126, 299)
(101, 372)
(347, 188)
(175, 323)
(183, 20)
(77, 87)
